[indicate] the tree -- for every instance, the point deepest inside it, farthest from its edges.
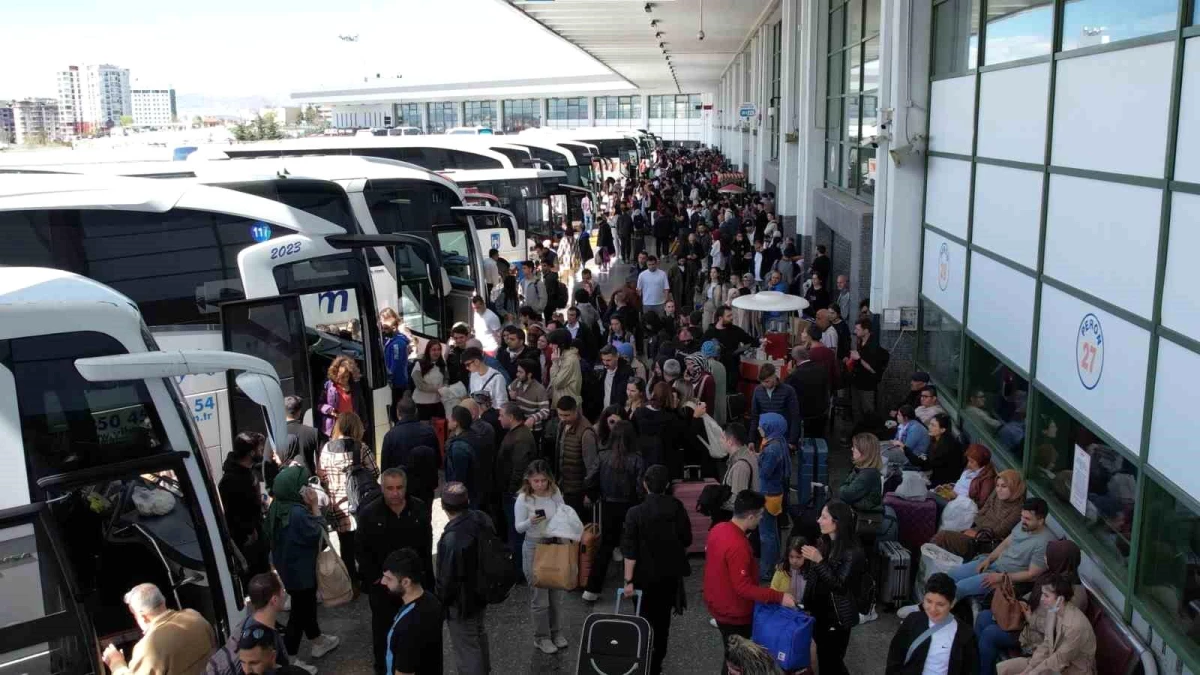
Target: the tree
(126, 120)
(197, 122)
(261, 128)
(311, 115)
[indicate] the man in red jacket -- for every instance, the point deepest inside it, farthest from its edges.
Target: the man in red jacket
(731, 571)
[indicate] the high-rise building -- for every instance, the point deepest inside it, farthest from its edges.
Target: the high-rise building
(35, 120)
(7, 129)
(93, 98)
(153, 107)
(70, 103)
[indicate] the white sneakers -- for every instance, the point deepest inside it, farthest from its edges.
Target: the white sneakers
(712, 622)
(545, 645)
(324, 644)
(307, 667)
(617, 557)
(903, 612)
(560, 641)
(589, 596)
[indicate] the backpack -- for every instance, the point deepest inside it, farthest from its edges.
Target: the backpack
(362, 485)
(714, 495)
(559, 295)
(495, 572)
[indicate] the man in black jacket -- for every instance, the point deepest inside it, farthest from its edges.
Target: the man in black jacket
(241, 497)
(868, 361)
(654, 542)
(610, 381)
(517, 451)
(515, 349)
(396, 521)
(302, 440)
(411, 445)
(457, 575)
(811, 382)
(934, 641)
(624, 232)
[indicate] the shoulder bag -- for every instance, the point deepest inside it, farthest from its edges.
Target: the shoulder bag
(333, 581)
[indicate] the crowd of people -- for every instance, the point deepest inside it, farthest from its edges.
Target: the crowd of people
(558, 396)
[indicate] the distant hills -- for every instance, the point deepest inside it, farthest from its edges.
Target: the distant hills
(190, 105)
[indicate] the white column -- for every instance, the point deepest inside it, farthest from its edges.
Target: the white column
(903, 87)
(645, 99)
(788, 110)
(810, 88)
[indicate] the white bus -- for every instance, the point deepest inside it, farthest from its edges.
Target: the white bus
(539, 199)
(572, 157)
(96, 430)
(384, 197)
(616, 148)
(173, 247)
(432, 152)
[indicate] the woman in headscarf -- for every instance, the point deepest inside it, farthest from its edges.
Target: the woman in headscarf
(980, 487)
(625, 350)
(711, 350)
(704, 385)
(295, 529)
(1062, 558)
(996, 518)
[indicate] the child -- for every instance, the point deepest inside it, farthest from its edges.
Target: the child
(789, 574)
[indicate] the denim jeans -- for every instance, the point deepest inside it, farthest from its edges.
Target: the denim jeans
(993, 642)
(768, 531)
(544, 603)
(968, 580)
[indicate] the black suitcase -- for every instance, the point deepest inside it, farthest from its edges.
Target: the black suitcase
(616, 644)
(895, 574)
(737, 408)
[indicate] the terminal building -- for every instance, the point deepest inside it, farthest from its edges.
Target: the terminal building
(1015, 184)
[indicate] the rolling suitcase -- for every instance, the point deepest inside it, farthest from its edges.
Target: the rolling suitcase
(895, 573)
(616, 644)
(917, 520)
(812, 466)
(688, 491)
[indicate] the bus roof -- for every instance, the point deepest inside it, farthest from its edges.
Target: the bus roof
(21, 192)
(58, 288)
(338, 142)
(501, 174)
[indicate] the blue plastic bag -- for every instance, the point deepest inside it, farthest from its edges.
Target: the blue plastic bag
(785, 633)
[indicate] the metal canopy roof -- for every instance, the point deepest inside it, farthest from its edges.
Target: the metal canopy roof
(619, 34)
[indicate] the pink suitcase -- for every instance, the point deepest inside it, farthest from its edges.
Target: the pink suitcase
(688, 491)
(917, 520)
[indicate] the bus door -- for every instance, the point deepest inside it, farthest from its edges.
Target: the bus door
(496, 229)
(44, 627)
(274, 330)
(570, 200)
(458, 252)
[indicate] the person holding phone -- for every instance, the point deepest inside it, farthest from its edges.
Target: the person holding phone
(537, 502)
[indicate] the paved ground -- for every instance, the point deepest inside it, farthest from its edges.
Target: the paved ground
(695, 646)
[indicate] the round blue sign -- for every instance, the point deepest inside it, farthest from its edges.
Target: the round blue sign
(1089, 351)
(260, 231)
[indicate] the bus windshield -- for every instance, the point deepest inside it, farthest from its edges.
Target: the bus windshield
(320, 198)
(525, 197)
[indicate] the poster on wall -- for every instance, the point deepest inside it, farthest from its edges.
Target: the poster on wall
(1079, 480)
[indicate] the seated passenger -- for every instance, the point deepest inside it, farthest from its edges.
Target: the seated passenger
(173, 642)
(1069, 647)
(945, 460)
(997, 516)
(1021, 556)
(976, 481)
(911, 435)
(1062, 558)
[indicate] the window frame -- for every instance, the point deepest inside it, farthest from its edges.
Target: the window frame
(837, 57)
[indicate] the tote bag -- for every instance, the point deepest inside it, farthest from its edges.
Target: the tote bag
(333, 581)
(1005, 608)
(785, 633)
(556, 565)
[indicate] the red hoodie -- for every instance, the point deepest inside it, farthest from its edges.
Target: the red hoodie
(731, 577)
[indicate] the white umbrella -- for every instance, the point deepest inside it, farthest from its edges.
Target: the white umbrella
(771, 301)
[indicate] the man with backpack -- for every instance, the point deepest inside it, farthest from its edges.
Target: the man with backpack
(467, 579)
(396, 521)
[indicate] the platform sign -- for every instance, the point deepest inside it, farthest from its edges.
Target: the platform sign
(748, 111)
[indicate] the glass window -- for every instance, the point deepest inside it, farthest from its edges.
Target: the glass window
(455, 249)
(522, 113)
(996, 401)
(479, 114)
(1169, 566)
(776, 76)
(939, 349)
(442, 116)
(852, 69)
(419, 304)
(69, 423)
(567, 108)
(955, 36)
(1099, 22)
(408, 115)
(1111, 489)
(1019, 30)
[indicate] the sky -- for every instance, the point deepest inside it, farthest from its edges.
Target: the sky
(270, 48)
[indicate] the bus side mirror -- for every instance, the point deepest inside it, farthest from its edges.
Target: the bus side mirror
(511, 224)
(265, 391)
(445, 277)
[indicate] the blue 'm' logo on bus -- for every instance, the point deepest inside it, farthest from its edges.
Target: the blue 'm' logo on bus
(260, 232)
(331, 297)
